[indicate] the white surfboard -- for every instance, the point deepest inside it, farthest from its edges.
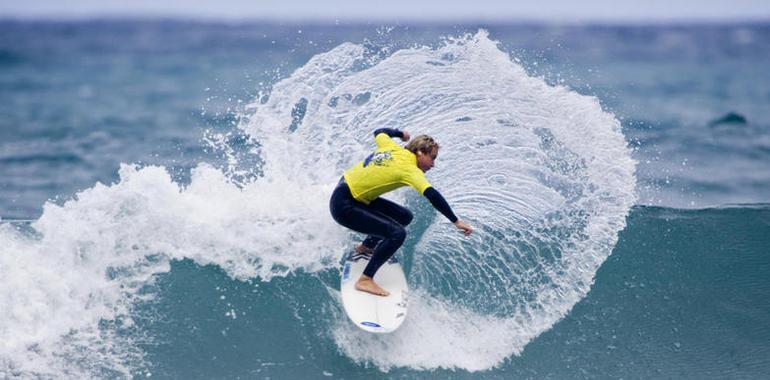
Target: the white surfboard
(373, 313)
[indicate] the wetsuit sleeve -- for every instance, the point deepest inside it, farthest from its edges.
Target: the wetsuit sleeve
(438, 201)
(391, 132)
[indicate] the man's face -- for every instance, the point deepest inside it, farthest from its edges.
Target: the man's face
(425, 161)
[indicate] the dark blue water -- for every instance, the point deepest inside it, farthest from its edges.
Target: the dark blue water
(79, 98)
(684, 293)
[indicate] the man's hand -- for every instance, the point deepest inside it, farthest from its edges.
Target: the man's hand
(406, 136)
(466, 228)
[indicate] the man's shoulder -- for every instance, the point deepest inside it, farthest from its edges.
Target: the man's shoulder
(383, 140)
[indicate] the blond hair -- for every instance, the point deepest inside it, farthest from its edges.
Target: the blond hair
(422, 143)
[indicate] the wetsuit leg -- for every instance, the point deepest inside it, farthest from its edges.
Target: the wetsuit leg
(395, 211)
(361, 218)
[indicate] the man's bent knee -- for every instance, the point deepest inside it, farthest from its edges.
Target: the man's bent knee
(399, 235)
(407, 218)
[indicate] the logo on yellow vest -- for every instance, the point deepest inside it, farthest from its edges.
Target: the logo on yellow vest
(378, 158)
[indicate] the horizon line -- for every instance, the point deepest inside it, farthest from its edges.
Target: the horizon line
(330, 21)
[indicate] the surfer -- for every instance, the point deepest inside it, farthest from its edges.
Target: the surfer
(356, 204)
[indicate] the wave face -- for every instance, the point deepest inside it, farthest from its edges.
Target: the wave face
(685, 292)
(542, 172)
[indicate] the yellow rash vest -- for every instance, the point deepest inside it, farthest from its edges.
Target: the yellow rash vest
(388, 168)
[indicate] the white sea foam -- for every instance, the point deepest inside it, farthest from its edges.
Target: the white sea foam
(542, 173)
(93, 253)
(437, 334)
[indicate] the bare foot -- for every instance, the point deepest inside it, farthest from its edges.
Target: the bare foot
(366, 284)
(364, 249)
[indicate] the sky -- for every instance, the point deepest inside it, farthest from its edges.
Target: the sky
(399, 10)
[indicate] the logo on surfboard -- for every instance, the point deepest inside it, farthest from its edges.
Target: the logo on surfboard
(346, 272)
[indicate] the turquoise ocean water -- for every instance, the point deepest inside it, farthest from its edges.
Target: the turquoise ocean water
(164, 189)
